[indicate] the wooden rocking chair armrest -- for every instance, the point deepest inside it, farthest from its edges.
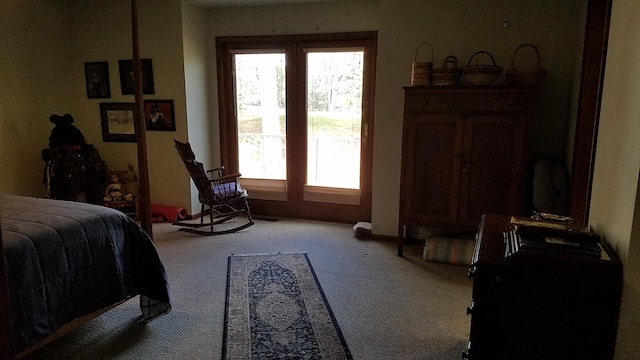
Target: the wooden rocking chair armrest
(225, 179)
(236, 175)
(220, 170)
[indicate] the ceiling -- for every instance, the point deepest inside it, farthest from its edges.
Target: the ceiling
(230, 3)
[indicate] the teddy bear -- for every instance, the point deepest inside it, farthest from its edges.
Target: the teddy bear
(65, 134)
(131, 181)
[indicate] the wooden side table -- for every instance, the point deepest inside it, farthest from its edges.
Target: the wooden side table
(544, 307)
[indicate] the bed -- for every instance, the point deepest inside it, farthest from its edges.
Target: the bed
(65, 261)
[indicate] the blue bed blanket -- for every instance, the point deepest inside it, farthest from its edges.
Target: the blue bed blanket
(67, 259)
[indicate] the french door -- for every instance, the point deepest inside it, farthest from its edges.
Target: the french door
(296, 121)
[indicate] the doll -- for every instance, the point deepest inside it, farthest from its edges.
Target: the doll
(115, 190)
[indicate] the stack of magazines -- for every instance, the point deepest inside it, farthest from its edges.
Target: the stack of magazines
(536, 237)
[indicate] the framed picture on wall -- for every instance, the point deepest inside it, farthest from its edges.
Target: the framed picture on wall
(159, 115)
(96, 76)
(117, 122)
(126, 76)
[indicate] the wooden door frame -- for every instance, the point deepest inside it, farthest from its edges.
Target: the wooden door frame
(296, 107)
(591, 84)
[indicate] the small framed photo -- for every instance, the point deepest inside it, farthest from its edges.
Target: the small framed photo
(159, 115)
(96, 76)
(118, 122)
(126, 76)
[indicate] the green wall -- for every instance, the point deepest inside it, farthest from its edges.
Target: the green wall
(45, 45)
(183, 52)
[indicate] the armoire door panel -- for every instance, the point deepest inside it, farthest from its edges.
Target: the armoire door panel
(435, 167)
(491, 166)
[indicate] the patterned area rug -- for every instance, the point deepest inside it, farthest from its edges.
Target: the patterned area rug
(276, 310)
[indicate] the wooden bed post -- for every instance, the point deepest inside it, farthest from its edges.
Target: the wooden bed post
(144, 197)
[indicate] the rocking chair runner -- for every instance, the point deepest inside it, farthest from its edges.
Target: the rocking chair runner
(222, 194)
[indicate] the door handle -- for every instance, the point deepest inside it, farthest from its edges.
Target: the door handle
(365, 134)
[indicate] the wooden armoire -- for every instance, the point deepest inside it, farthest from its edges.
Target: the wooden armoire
(464, 153)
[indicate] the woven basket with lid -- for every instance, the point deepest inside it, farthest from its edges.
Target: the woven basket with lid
(448, 74)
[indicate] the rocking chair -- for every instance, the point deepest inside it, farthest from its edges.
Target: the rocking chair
(220, 195)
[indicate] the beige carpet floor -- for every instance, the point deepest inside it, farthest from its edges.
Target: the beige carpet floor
(386, 306)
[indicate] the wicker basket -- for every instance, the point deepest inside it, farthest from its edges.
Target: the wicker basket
(446, 75)
(529, 77)
(421, 71)
(481, 74)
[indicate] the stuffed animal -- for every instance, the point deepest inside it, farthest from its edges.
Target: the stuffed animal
(64, 134)
(131, 181)
(74, 169)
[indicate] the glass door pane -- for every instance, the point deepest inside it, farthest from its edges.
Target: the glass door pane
(334, 117)
(260, 108)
